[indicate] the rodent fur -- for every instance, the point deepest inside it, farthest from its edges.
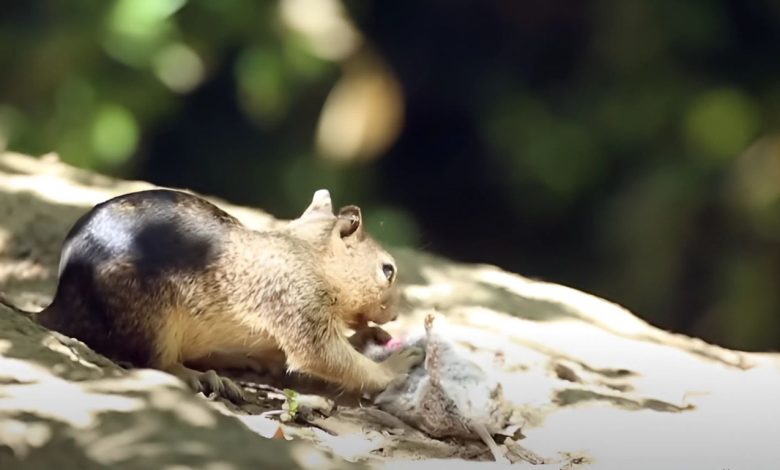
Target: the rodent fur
(163, 278)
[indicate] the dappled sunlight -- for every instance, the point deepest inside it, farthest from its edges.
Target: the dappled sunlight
(135, 441)
(135, 26)
(164, 394)
(430, 293)
(51, 397)
(114, 134)
(22, 270)
(583, 305)
(23, 372)
(714, 437)
(52, 342)
(755, 179)
(363, 113)
(720, 123)
(55, 189)
(448, 284)
(585, 143)
(179, 67)
(60, 401)
(261, 425)
(445, 285)
(137, 380)
(22, 436)
(584, 376)
(596, 348)
(610, 357)
(57, 186)
(324, 23)
(530, 351)
(311, 458)
(566, 303)
(351, 446)
(185, 411)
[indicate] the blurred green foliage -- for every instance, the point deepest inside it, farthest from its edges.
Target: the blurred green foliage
(627, 148)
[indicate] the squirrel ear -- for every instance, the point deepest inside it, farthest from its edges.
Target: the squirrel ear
(320, 205)
(350, 220)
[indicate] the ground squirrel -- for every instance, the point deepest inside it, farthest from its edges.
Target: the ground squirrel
(167, 280)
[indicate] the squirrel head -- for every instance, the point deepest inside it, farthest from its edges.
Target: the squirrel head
(362, 272)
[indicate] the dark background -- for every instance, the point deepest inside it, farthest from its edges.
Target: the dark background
(627, 148)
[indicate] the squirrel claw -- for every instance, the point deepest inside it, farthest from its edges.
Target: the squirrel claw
(210, 383)
(401, 362)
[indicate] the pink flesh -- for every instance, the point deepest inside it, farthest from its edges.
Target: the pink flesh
(394, 343)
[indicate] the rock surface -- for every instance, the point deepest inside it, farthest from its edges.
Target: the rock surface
(592, 386)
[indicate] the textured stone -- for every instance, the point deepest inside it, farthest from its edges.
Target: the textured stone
(590, 384)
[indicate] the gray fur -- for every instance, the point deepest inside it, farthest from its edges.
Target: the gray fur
(448, 395)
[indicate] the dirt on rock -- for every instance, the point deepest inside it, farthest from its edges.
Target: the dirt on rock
(589, 385)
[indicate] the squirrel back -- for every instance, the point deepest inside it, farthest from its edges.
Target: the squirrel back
(163, 278)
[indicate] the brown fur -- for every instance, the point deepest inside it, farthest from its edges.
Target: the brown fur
(256, 298)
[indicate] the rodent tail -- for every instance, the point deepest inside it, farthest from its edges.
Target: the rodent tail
(4, 301)
(431, 351)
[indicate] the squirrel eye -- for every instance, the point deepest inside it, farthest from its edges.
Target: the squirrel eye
(389, 271)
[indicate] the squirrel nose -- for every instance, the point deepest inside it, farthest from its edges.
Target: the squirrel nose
(389, 271)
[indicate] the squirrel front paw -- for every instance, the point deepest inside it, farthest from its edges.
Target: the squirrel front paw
(401, 362)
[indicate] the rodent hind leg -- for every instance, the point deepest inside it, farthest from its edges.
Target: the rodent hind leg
(208, 382)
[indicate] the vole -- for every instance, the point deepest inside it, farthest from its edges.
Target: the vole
(448, 395)
(165, 279)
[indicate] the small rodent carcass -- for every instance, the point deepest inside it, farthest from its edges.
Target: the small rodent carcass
(446, 396)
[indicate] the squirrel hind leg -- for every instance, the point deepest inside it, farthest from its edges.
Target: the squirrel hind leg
(208, 382)
(268, 363)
